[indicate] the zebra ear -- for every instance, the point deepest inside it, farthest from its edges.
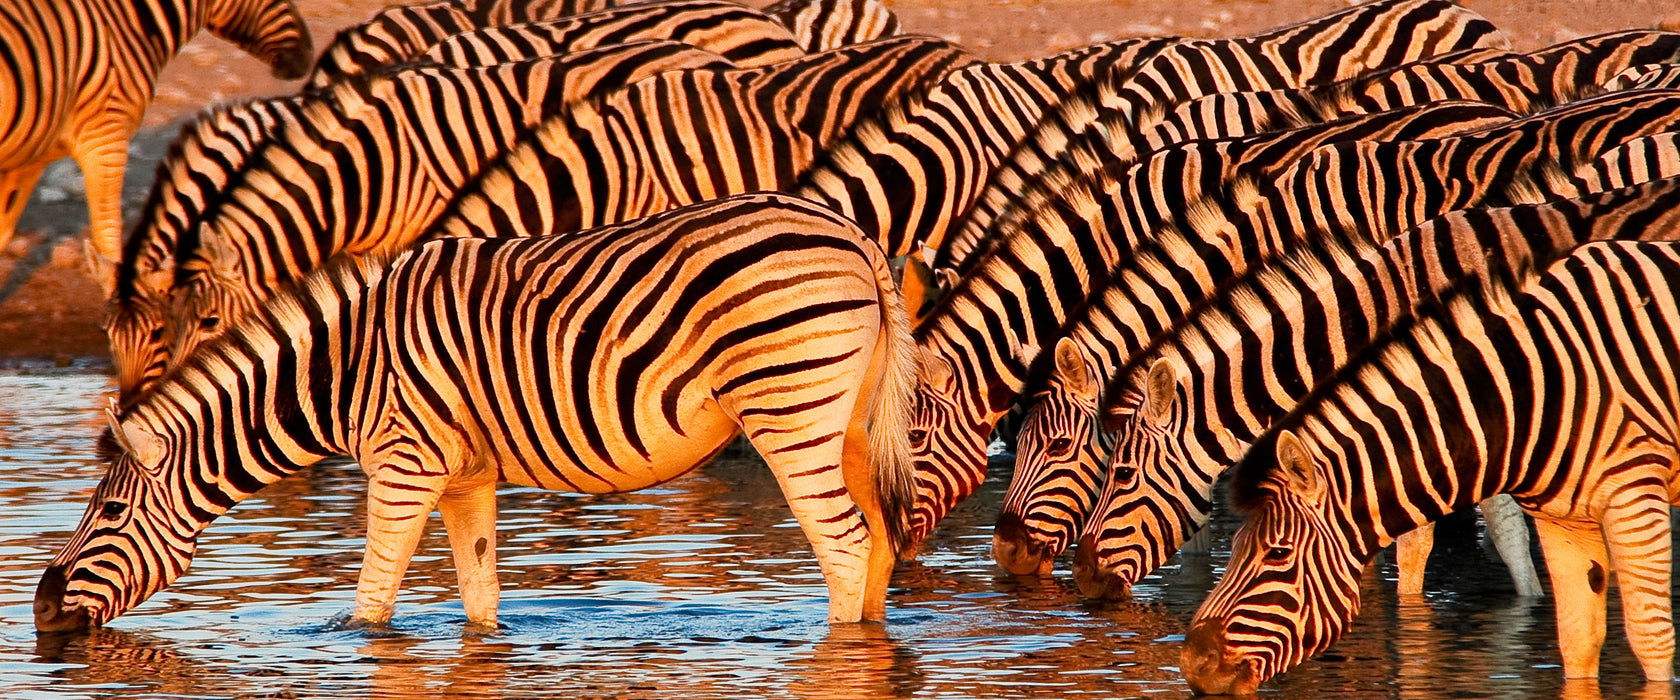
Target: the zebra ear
(919, 289)
(222, 259)
(1073, 370)
(1298, 467)
(136, 441)
(1160, 389)
(937, 372)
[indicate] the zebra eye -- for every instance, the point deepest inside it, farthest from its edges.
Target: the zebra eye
(157, 335)
(209, 323)
(1060, 446)
(1125, 473)
(917, 437)
(1278, 554)
(112, 510)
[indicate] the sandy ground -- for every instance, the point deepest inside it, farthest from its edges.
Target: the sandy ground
(50, 310)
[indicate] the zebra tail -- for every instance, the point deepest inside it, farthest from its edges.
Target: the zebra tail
(890, 411)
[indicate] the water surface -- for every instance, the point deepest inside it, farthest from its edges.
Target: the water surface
(703, 588)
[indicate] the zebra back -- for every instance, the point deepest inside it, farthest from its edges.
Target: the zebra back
(831, 24)
(368, 168)
(1124, 112)
(683, 137)
(1186, 406)
(907, 173)
(271, 30)
(1552, 392)
(399, 33)
(1177, 264)
(743, 36)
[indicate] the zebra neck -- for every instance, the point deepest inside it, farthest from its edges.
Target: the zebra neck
(273, 396)
(162, 27)
(1437, 423)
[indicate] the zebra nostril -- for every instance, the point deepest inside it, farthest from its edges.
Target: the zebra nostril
(1203, 659)
(49, 605)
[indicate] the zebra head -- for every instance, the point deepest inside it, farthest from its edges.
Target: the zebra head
(1292, 585)
(137, 326)
(209, 299)
(1154, 499)
(1058, 467)
(137, 536)
(947, 442)
(271, 30)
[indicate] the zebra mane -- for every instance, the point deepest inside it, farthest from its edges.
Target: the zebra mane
(1431, 327)
(291, 312)
(191, 131)
(1076, 201)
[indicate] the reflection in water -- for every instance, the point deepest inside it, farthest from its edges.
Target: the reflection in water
(702, 588)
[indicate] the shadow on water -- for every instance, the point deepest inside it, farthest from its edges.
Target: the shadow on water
(702, 588)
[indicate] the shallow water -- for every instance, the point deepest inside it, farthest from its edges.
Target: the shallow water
(701, 588)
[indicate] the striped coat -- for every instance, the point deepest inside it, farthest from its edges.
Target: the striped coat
(648, 147)
(1563, 395)
(82, 75)
(599, 362)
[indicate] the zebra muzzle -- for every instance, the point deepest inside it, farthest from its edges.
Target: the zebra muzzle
(1095, 581)
(50, 615)
(1208, 669)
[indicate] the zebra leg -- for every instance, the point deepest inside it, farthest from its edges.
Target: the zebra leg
(469, 515)
(15, 186)
(1507, 526)
(1578, 565)
(399, 503)
(1637, 528)
(806, 459)
(102, 153)
(860, 483)
(1411, 554)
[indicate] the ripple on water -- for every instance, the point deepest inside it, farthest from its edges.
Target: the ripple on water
(703, 588)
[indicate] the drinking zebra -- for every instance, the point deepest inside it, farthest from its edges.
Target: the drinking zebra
(1558, 388)
(597, 362)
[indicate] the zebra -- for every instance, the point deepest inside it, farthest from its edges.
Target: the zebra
(595, 362)
(1560, 392)
(668, 132)
(743, 36)
(136, 313)
(200, 162)
(379, 132)
(81, 75)
(1524, 83)
(399, 34)
(979, 340)
(1375, 188)
(1176, 433)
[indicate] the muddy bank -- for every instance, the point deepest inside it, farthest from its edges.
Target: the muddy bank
(50, 310)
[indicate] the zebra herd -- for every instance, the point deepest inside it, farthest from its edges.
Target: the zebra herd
(1376, 265)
